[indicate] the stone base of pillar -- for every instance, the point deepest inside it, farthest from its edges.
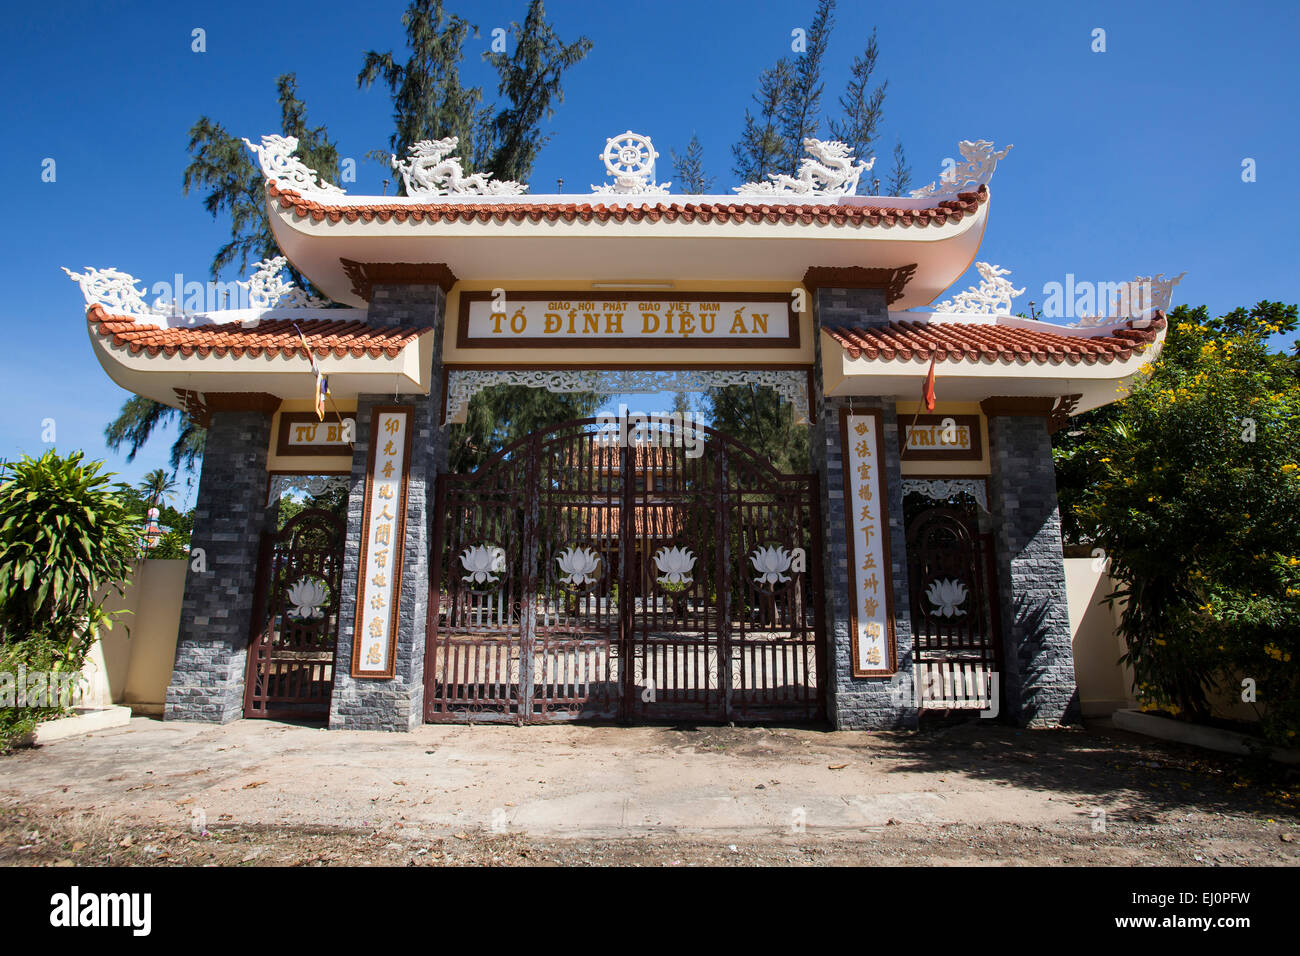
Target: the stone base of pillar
(208, 677)
(862, 703)
(396, 703)
(1038, 654)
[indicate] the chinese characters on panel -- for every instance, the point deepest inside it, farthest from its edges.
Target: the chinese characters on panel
(868, 530)
(379, 589)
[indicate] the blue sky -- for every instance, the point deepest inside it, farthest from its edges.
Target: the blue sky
(1125, 162)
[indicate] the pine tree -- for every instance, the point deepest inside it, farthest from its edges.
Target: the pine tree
(762, 149)
(800, 114)
(900, 177)
(223, 165)
(429, 100)
(862, 106)
(503, 414)
(755, 416)
(688, 169)
(530, 82)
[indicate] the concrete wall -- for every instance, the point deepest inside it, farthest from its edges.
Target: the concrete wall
(1104, 684)
(135, 670)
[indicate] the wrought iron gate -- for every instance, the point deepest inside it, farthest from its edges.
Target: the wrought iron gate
(954, 611)
(295, 632)
(584, 577)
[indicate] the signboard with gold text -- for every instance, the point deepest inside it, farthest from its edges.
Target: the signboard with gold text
(596, 319)
(379, 590)
(940, 437)
(302, 433)
(870, 586)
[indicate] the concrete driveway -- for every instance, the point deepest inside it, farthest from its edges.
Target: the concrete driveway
(1087, 787)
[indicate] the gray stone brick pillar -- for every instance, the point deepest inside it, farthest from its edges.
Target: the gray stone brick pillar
(858, 702)
(1038, 658)
(216, 614)
(395, 703)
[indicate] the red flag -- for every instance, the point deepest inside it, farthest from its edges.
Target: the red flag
(928, 392)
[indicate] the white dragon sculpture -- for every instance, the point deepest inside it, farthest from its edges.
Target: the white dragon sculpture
(991, 297)
(827, 170)
(981, 159)
(431, 170)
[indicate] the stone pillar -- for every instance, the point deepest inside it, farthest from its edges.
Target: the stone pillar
(216, 614)
(395, 703)
(1038, 657)
(876, 703)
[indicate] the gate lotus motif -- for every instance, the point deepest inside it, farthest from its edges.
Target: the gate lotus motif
(945, 596)
(675, 565)
(579, 566)
(308, 595)
(484, 564)
(771, 563)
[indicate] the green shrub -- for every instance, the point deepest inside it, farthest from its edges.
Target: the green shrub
(65, 536)
(1191, 486)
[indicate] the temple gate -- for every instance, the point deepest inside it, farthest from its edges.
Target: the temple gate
(916, 569)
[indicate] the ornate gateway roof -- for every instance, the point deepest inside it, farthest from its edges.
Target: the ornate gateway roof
(628, 285)
(484, 230)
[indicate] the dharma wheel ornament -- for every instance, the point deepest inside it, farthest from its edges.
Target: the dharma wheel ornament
(630, 159)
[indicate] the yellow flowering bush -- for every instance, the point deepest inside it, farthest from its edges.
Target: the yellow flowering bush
(1190, 487)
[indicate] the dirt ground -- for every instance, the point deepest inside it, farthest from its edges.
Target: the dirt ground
(259, 793)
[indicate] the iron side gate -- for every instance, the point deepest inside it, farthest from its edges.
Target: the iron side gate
(954, 611)
(295, 630)
(675, 577)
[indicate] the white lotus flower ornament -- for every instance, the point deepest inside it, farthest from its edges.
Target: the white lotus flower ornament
(771, 563)
(675, 565)
(308, 597)
(579, 566)
(945, 596)
(483, 563)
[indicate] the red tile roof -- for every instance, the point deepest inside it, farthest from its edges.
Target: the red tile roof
(952, 341)
(741, 210)
(325, 337)
(649, 521)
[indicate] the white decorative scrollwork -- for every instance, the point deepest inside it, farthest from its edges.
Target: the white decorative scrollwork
(941, 489)
(315, 485)
(981, 159)
(267, 288)
(828, 170)
(579, 566)
(431, 170)
(308, 596)
(110, 288)
(675, 566)
(630, 159)
(464, 384)
(946, 596)
(484, 564)
(1136, 300)
(278, 162)
(991, 297)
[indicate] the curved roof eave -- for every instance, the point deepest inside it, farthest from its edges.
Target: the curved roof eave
(724, 241)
